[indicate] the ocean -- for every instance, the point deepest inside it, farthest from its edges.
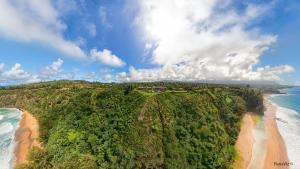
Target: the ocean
(9, 121)
(288, 114)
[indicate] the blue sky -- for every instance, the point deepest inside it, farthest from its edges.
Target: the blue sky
(149, 40)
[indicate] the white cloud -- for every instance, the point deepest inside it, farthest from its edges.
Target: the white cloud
(106, 57)
(65, 6)
(16, 73)
(1, 67)
(272, 72)
(92, 76)
(53, 69)
(103, 17)
(40, 21)
(92, 29)
(35, 21)
(297, 83)
(33, 79)
(207, 39)
(108, 77)
(80, 41)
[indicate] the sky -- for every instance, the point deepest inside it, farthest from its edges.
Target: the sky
(149, 40)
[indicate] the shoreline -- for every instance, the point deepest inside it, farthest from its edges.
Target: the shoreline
(260, 144)
(26, 137)
(244, 144)
(276, 151)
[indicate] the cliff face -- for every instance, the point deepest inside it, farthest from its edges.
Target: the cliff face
(125, 127)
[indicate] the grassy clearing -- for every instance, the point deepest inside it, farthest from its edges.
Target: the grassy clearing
(237, 160)
(147, 93)
(256, 118)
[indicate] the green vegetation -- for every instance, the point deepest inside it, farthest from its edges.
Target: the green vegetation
(94, 125)
(256, 118)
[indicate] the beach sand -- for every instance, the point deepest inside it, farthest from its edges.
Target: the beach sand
(275, 148)
(245, 143)
(26, 137)
(263, 140)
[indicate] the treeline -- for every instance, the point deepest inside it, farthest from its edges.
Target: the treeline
(93, 125)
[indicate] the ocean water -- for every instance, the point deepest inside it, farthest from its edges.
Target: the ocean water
(9, 121)
(288, 112)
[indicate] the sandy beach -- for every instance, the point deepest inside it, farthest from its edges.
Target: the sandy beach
(26, 137)
(275, 148)
(245, 143)
(260, 146)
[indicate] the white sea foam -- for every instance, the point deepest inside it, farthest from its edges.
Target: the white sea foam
(290, 132)
(258, 150)
(276, 95)
(1, 117)
(13, 113)
(8, 128)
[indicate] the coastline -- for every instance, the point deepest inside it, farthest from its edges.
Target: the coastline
(260, 145)
(9, 126)
(289, 128)
(244, 144)
(276, 151)
(26, 137)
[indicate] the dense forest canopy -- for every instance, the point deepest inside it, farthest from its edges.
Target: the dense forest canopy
(134, 125)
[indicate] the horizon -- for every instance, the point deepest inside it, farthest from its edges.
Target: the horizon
(150, 41)
(228, 83)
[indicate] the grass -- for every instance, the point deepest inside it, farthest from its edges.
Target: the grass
(176, 91)
(237, 160)
(150, 93)
(147, 93)
(256, 118)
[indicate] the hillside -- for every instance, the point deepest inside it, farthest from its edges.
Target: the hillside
(141, 125)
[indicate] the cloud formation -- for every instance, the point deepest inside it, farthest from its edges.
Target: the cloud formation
(1, 67)
(103, 17)
(14, 74)
(106, 57)
(52, 70)
(17, 75)
(92, 29)
(35, 21)
(203, 40)
(55, 71)
(188, 40)
(40, 21)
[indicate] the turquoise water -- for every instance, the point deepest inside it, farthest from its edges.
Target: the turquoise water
(9, 121)
(290, 100)
(288, 110)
